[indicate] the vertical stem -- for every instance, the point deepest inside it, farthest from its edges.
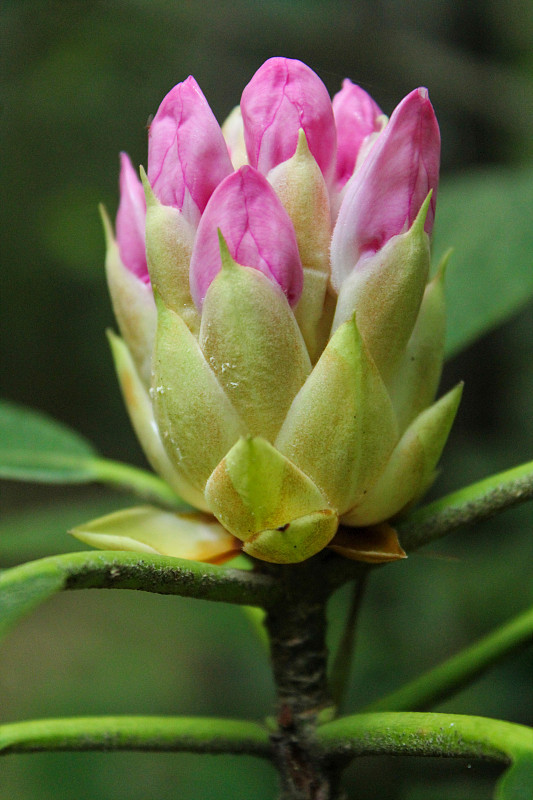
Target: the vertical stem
(297, 629)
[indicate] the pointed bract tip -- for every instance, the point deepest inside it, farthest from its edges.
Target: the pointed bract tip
(108, 227)
(302, 148)
(225, 255)
(420, 219)
(112, 337)
(151, 199)
(442, 267)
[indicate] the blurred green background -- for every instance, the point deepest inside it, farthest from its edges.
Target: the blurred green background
(79, 81)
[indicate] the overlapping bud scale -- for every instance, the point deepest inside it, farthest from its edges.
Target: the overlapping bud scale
(298, 343)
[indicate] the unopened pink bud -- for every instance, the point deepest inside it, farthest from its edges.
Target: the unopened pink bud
(385, 195)
(257, 231)
(283, 96)
(187, 154)
(356, 117)
(130, 222)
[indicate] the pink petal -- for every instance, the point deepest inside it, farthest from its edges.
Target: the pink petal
(130, 222)
(385, 195)
(257, 230)
(187, 154)
(283, 96)
(356, 117)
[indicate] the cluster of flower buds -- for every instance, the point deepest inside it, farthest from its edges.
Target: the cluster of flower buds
(281, 341)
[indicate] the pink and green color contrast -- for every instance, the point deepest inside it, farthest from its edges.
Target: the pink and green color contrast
(281, 342)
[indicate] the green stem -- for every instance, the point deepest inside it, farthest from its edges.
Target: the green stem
(163, 734)
(25, 587)
(423, 734)
(455, 673)
(466, 506)
(340, 671)
(136, 480)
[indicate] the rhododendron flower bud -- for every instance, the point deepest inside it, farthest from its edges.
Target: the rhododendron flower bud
(296, 359)
(283, 96)
(127, 273)
(131, 217)
(384, 196)
(187, 154)
(357, 117)
(257, 230)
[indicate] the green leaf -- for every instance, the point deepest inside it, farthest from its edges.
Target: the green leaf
(19, 597)
(516, 782)
(486, 218)
(34, 447)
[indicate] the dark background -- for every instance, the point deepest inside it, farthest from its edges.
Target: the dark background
(80, 80)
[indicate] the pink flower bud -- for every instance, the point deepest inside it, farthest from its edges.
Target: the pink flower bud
(187, 154)
(356, 117)
(384, 196)
(130, 222)
(283, 96)
(257, 230)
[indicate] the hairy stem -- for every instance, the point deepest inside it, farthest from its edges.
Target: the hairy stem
(425, 734)
(25, 587)
(471, 504)
(156, 734)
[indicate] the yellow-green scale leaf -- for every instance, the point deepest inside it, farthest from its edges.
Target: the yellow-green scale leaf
(169, 242)
(256, 489)
(147, 529)
(385, 291)
(411, 465)
(415, 381)
(139, 407)
(296, 541)
(341, 428)
(197, 422)
(300, 185)
(252, 342)
(133, 304)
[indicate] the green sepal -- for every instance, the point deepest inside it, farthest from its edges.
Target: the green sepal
(256, 489)
(411, 465)
(147, 529)
(169, 242)
(251, 340)
(415, 381)
(133, 304)
(139, 407)
(196, 420)
(341, 428)
(385, 291)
